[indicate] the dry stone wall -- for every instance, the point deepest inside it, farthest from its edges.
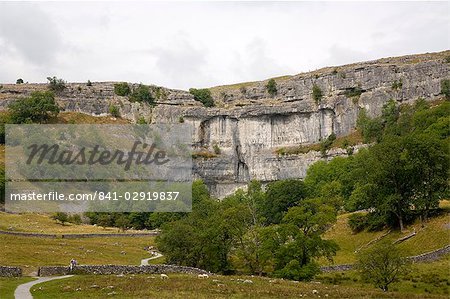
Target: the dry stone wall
(118, 269)
(6, 271)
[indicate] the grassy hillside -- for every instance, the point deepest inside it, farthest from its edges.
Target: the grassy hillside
(434, 235)
(42, 223)
(423, 278)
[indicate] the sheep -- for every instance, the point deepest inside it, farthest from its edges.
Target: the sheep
(315, 292)
(164, 276)
(203, 276)
(248, 281)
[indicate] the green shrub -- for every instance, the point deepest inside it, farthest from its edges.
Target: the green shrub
(141, 121)
(397, 85)
(216, 149)
(202, 95)
(19, 81)
(55, 84)
(294, 271)
(326, 144)
(38, 108)
(75, 219)
(89, 83)
(272, 87)
(353, 92)
(114, 110)
(445, 88)
(447, 59)
(61, 217)
(317, 93)
(142, 94)
(357, 222)
(122, 89)
(160, 93)
(181, 119)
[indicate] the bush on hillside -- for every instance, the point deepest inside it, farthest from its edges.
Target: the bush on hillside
(142, 94)
(317, 93)
(40, 107)
(55, 84)
(122, 89)
(202, 95)
(272, 87)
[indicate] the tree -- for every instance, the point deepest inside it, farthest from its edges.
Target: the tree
(61, 217)
(201, 239)
(242, 218)
(122, 222)
(280, 196)
(403, 172)
(301, 241)
(104, 220)
(371, 129)
(38, 108)
(19, 81)
(381, 265)
(428, 159)
(271, 87)
(55, 84)
(202, 95)
(89, 83)
(389, 179)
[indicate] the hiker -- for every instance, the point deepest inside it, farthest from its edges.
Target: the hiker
(73, 263)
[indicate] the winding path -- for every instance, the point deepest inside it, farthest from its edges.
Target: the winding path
(144, 262)
(23, 290)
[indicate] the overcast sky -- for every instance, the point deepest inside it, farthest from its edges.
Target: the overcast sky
(202, 44)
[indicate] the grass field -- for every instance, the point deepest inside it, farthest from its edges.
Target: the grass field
(189, 286)
(42, 223)
(33, 252)
(8, 285)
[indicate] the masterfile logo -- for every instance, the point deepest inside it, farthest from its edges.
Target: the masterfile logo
(114, 168)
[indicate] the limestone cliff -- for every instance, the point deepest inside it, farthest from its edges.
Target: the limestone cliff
(248, 125)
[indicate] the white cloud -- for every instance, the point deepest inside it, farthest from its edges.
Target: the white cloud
(195, 44)
(29, 33)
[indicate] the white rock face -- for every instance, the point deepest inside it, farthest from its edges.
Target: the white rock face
(251, 125)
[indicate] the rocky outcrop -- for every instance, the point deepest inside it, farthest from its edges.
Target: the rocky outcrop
(248, 125)
(118, 270)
